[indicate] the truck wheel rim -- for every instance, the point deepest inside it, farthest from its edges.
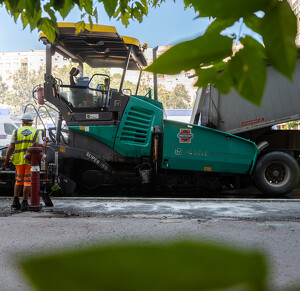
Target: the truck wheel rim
(277, 174)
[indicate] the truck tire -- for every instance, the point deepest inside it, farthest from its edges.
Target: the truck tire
(276, 173)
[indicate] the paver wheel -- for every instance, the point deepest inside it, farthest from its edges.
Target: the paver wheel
(276, 173)
(90, 181)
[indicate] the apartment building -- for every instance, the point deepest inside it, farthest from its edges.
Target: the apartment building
(170, 81)
(10, 62)
(295, 4)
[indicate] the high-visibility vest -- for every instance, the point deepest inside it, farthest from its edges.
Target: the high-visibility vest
(24, 138)
(102, 87)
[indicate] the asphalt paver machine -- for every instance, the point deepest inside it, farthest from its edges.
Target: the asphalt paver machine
(119, 140)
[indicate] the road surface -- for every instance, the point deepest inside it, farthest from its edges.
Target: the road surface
(271, 226)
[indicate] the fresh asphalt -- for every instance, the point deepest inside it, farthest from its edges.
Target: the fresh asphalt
(183, 208)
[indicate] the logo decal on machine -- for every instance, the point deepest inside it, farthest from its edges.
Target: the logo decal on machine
(185, 135)
(92, 116)
(117, 103)
(178, 152)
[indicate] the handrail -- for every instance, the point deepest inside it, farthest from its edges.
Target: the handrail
(37, 114)
(43, 106)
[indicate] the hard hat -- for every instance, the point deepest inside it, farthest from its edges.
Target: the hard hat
(27, 116)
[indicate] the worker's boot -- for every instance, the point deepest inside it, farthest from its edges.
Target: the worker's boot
(16, 203)
(24, 205)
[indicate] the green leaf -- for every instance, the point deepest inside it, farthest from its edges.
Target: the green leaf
(58, 4)
(29, 7)
(224, 82)
(24, 20)
(190, 54)
(48, 27)
(12, 4)
(279, 30)
(67, 7)
(228, 8)
(50, 12)
(87, 5)
(110, 7)
(91, 22)
(123, 6)
(141, 8)
(248, 71)
(80, 26)
(16, 16)
(209, 73)
(136, 13)
(33, 20)
(95, 14)
(253, 22)
(254, 45)
(135, 267)
(125, 18)
(206, 76)
(219, 25)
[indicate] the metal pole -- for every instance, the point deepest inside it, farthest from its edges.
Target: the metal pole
(155, 75)
(48, 59)
(138, 83)
(80, 68)
(126, 67)
(58, 129)
(47, 78)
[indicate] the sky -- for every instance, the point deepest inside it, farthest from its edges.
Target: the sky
(165, 25)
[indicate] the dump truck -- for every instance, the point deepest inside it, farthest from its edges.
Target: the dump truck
(117, 138)
(261, 124)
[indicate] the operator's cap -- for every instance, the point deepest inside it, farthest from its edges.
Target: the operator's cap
(27, 116)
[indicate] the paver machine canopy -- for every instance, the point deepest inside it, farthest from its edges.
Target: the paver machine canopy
(102, 47)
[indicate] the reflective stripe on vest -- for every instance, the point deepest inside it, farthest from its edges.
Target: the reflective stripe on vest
(24, 138)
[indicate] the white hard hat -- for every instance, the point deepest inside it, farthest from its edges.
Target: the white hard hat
(27, 116)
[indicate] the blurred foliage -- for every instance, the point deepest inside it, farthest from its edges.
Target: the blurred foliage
(21, 93)
(62, 73)
(24, 81)
(159, 267)
(176, 99)
(293, 124)
(245, 71)
(3, 89)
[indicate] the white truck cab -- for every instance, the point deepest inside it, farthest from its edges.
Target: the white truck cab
(7, 126)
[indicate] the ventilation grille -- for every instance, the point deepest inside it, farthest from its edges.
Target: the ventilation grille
(137, 126)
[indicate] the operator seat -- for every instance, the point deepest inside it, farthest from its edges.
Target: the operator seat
(73, 73)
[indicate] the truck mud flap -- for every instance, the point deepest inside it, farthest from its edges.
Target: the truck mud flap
(76, 153)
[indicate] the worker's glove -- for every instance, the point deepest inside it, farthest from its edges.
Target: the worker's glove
(45, 139)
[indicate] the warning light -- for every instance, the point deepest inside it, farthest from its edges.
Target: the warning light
(145, 46)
